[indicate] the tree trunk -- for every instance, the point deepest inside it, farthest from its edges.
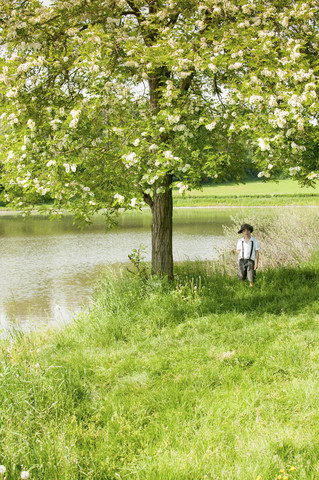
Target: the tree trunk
(162, 231)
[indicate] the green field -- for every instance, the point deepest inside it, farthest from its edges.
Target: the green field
(283, 192)
(204, 379)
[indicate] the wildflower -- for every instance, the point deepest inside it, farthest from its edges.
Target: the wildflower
(292, 469)
(25, 475)
(2, 469)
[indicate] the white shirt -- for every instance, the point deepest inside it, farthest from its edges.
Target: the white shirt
(247, 248)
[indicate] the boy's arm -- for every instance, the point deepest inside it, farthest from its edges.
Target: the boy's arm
(257, 258)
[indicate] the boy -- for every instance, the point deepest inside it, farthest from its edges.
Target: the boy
(248, 254)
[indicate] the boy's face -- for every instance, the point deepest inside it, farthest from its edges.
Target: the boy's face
(246, 232)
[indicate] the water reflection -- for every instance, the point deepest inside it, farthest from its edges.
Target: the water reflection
(48, 269)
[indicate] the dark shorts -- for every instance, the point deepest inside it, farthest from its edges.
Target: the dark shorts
(246, 269)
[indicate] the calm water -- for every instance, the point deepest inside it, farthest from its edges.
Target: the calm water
(48, 269)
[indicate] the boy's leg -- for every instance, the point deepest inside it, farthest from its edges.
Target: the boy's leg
(250, 272)
(242, 272)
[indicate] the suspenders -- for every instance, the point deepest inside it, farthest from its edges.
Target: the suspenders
(251, 250)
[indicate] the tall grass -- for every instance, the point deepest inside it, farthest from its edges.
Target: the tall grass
(288, 238)
(199, 379)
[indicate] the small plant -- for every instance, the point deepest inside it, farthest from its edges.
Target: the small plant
(189, 290)
(137, 261)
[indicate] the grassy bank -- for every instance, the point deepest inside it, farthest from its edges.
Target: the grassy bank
(283, 192)
(203, 379)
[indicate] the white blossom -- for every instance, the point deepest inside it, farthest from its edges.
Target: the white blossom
(173, 118)
(153, 147)
(31, 124)
(213, 67)
(55, 123)
(295, 54)
(280, 119)
(136, 142)
(235, 66)
(313, 175)
(24, 67)
(285, 21)
(73, 123)
(263, 144)
(255, 99)
(2, 469)
(294, 101)
(181, 187)
(133, 202)
(119, 198)
(263, 174)
(25, 475)
(10, 155)
(75, 113)
(12, 93)
(211, 126)
(272, 102)
(168, 154)
(247, 8)
(294, 170)
(266, 72)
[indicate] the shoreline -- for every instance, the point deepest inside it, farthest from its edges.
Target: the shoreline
(217, 207)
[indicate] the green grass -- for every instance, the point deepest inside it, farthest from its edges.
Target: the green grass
(203, 379)
(283, 192)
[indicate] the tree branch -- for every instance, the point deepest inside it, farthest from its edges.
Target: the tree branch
(148, 199)
(135, 10)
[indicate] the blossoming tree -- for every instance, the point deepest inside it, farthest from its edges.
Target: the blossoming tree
(109, 104)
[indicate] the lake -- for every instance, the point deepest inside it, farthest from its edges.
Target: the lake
(49, 268)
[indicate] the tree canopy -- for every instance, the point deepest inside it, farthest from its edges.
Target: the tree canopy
(109, 104)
